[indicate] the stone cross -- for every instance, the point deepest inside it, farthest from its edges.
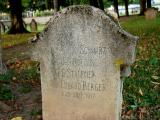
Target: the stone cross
(82, 55)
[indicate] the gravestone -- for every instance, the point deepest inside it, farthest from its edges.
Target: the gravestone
(3, 68)
(33, 25)
(24, 24)
(2, 28)
(151, 13)
(81, 53)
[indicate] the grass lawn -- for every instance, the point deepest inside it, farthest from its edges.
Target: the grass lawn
(39, 28)
(12, 40)
(142, 89)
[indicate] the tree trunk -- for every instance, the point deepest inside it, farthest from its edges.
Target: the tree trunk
(142, 6)
(101, 5)
(56, 6)
(126, 7)
(116, 7)
(94, 3)
(46, 4)
(149, 4)
(17, 24)
(63, 3)
(97, 3)
(71, 2)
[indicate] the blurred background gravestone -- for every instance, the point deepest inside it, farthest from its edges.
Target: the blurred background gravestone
(151, 13)
(33, 25)
(82, 55)
(3, 68)
(2, 28)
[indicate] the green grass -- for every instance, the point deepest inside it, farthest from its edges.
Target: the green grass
(10, 40)
(142, 88)
(149, 34)
(139, 26)
(39, 28)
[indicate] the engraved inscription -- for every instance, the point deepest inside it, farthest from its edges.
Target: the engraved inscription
(94, 50)
(68, 73)
(83, 85)
(75, 74)
(83, 50)
(78, 94)
(75, 61)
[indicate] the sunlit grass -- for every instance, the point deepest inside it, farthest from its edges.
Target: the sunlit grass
(140, 26)
(9, 40)
(40, 27)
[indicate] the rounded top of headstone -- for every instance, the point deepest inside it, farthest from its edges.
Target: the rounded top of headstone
(91, 12)
(87, 25)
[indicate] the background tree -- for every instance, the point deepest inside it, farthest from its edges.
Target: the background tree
(149, 4)
(142, 6)
(3, 5)
(115, 3)
(93, 3)
(101, 5)
(126, 7)
(97, 3)
(64, 3)
(56, 5)
(17, 24)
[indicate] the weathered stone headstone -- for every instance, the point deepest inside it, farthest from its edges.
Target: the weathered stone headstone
(80, 54)
(2, 28)
(24, 24)
(151, 13)
(33, 25)
(2, 66)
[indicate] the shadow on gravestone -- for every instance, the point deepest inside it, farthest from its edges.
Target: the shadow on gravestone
(82, 55)
(33, 25)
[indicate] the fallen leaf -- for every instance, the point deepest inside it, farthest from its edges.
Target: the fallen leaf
(17, 118)
(156, 83)
(140, 91)
(155, 77)
(129, 112)
(14, 78)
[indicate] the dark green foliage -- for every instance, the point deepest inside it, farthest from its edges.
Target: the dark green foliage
(29, 74)
(142, 78)
(7, 77)
(5, 87)
(25, 88)
(24, 77)
(35, 112)
(3, 6)
(5, 92)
